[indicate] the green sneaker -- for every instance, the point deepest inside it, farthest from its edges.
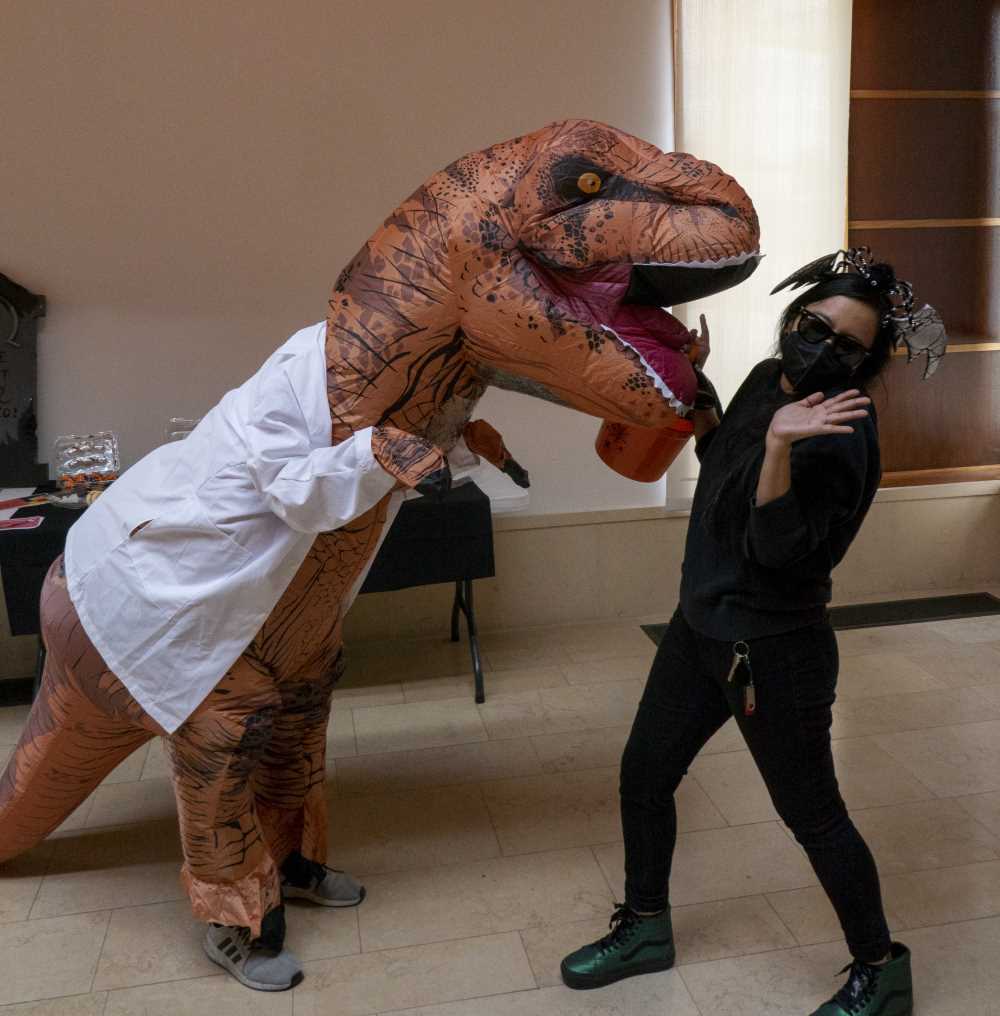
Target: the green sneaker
(635, 945)
(885, 990)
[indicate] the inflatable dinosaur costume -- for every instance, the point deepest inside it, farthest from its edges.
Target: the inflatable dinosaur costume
(541, 265)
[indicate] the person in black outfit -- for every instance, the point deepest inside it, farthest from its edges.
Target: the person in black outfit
(786, 479)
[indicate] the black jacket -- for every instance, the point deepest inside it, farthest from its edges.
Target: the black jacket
(750, 572)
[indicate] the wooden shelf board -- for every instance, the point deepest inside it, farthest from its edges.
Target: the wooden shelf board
(959, 474)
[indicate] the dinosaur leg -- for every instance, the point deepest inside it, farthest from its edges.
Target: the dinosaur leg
(83, 723)
(289, 784)
(301, 644)
(297, 659)
(229, 871)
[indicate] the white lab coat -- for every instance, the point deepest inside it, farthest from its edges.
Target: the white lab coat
(230, 513)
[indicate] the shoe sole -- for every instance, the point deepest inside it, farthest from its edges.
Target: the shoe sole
(220, 959)
(582, 982)
(292, 893)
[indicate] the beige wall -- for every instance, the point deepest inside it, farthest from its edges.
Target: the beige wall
(184, 180)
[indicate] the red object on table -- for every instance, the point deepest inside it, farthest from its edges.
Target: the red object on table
(23, 502)
(26, 522)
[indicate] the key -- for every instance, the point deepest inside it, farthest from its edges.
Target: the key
(749, 699)
(741, 654)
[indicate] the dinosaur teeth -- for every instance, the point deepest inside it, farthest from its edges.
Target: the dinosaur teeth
(661, 386)
(723, 262)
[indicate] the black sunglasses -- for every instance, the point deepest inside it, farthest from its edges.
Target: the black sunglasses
(815, 330)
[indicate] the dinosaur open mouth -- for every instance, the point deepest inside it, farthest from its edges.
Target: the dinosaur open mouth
(626, 301)
(670, 284)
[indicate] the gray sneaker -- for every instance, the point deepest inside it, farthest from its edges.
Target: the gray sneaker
(250, 961)
(309, 880)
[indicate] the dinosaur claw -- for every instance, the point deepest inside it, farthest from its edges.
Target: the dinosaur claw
(517, 473)
(482, 439)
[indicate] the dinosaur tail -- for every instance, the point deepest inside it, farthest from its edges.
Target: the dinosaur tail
(81, 726)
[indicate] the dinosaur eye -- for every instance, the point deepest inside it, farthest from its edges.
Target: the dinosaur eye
(589, 183)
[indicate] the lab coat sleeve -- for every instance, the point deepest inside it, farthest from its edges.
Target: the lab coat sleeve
(313, 490)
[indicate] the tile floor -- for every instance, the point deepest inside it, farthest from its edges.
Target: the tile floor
(489, 840)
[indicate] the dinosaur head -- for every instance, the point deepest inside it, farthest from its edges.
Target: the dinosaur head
(565, 245)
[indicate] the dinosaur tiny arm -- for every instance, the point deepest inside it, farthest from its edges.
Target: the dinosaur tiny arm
(484, 440)
(412, 460)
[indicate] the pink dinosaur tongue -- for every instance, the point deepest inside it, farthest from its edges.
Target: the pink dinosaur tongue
(658, 337)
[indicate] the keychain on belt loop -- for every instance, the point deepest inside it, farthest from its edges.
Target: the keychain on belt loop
(741, 658)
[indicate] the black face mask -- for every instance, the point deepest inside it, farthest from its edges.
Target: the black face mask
(811, 366)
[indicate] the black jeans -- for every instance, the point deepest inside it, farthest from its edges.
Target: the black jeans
(687, 699)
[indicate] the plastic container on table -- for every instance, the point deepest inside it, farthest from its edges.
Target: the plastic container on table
(179, 427)
(83, 462)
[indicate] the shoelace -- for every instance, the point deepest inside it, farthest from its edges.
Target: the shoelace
(317, 872)
(862, 983)
(622, 924)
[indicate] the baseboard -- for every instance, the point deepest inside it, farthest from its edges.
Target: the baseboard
(879, 614)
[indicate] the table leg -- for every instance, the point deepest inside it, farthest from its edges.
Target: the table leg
(463, 602)
(455, 608)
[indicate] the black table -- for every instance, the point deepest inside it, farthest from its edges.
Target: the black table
(446, 540)
(25, 556)
(431, 541)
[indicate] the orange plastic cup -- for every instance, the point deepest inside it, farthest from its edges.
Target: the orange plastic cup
(642, 453)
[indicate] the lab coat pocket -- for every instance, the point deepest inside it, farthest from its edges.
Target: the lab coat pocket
(183, 556)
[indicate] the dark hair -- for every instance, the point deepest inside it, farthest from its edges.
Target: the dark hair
(855, 287)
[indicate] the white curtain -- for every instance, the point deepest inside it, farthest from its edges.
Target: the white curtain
(763, 90)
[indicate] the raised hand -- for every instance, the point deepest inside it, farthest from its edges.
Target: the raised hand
(701, 341)
(816, 415)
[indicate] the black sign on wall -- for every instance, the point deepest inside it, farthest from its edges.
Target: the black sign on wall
(19, 314)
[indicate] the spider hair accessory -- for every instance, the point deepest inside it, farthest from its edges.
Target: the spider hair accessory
(921, 331)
